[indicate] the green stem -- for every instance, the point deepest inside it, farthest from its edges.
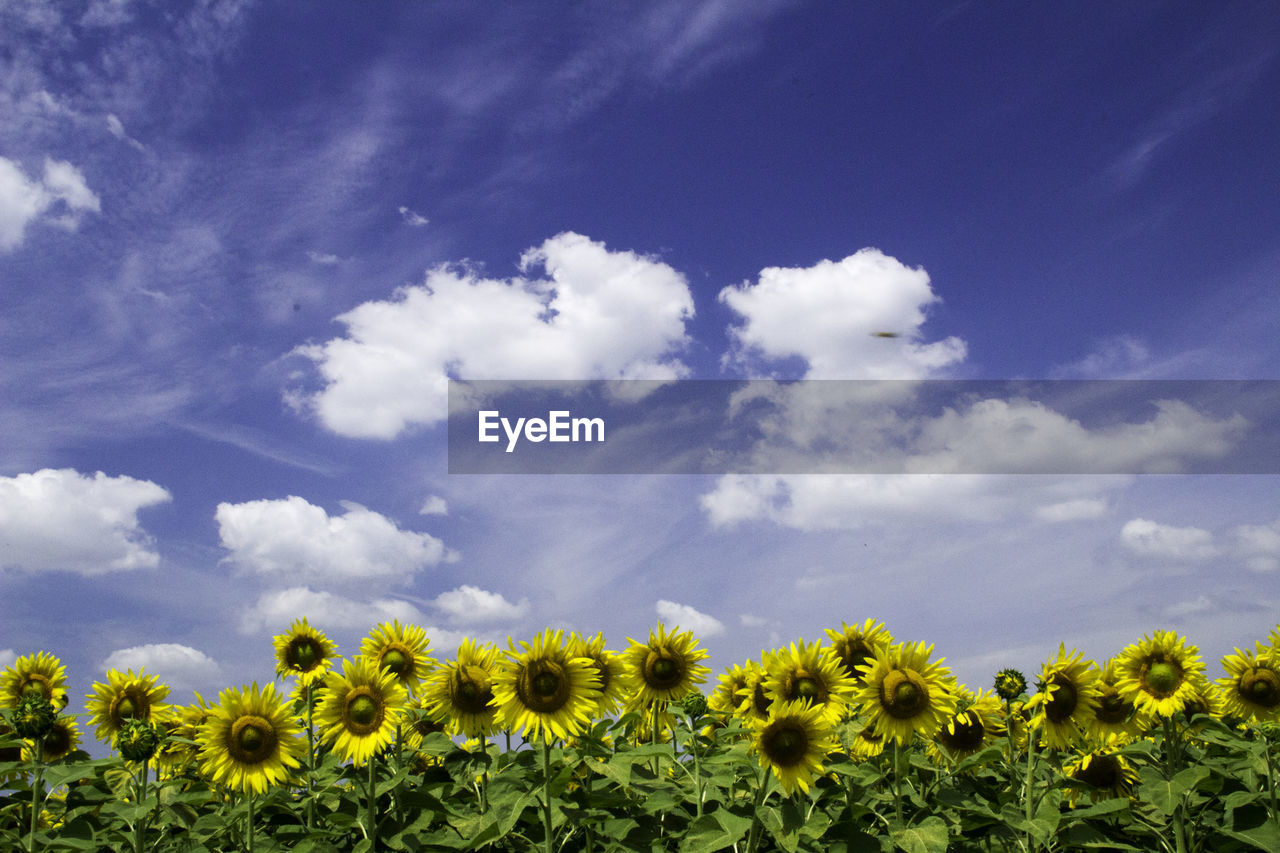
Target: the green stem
(546, 794)
(248, 824)
(763, 778)
(36, 786)
(1027, 807)
(1271, 779)
(897, 781)
(371, 806)
(311, 757)
(697, 763)
(1171, 758)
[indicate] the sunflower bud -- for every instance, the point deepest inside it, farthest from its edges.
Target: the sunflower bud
(694, 704)
(1010, 684)
(34, 716)
(138, 741)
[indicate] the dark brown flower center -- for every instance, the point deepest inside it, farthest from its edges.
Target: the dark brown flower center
(1112, 709)
(253, 740)
(806, 687)
(1103, 771)
(543, 686)
(1063, 698)
(662, 672)
(967, 736)
(363, 712)
(303, 654)
(853, 654)
(472, 692)
(904, 694)
(785, 742)
(1163, 678)
(1261, 686)
(397, 659)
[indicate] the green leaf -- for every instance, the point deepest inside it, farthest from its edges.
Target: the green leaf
(708, 835)
(1166, 794)
(1265, 837)
(929, 836)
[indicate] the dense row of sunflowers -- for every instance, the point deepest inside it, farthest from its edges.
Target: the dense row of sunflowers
(868, 743)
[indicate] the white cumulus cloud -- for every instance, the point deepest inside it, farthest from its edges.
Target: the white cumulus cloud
(1080, 509)
(275, 611)
(7, 658)
(434, 505)
(64, 520)
(858, 318)
(1152, 539)
(688, 619)
(176, 665)
(1259, 545)
(598, 314)
(413, 218)
(470, 605)
(60, 198)
(296, 540)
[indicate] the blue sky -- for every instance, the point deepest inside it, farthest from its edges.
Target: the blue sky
(242, 245)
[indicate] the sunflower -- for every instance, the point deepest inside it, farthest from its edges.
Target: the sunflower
(615, 682)
(905, 693)
(1115, 719)
(544, 690)
(755, 703)
(1157, 674)
(181, 747)
(60, 741)
(1252, 685)
(460, 693)
(730, 691)
(1063, 707)
(124, 697)
(303, 651)
(1104, 773)
(665, 668)
(360, 709)
(39, 673)
(421, 725)
(250, 740)
(810, 674)
(856, 645)
(400, 649)
(978, 720)
(793, 743)
(866, 744)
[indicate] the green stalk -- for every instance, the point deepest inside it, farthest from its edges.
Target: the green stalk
(248, 824)
(697, 763)
(311, 757)
(1271, 779)
(371, 807)
(1032, 737)
(1171, 757)
(897, 781)
(140, 828)
(37, 784)
(546, 793)
(762, 791)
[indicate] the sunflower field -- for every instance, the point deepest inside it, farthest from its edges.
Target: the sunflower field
(858, 743)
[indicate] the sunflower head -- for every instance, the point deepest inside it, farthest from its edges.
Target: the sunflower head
(1104, 774)
(459, 694)
(62, 739)
(1064, 705)
(41, 674)
(250, 740)
(33, 717)
(905, 693)
(304, 652)
(122, 698)
(543, 690)
(360, 709)
(977, 720)
(856, 645)
(809, 674)
(793, 742)
(615, 681)
(1010, 684)
(665, 668)
(1158, 673)
(400, 650)
(1251, 687)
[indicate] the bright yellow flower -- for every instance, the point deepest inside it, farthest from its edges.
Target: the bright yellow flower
(856, 646)
(1157, 674)
(615, 682)
(400, 649)
(1251, 688)
(1115, 719)
(303, 651)
(755, 703)
(40, 673)
(544, 691)
(124, 697)
(731, 690)
(60, 742)
(1064, 707)
(250, 740)
(665, 668)
(459, 694)
(810, 674)
(793, 743)
(904, 693)
(977, 722)
(1104, 773)
(360, 709)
